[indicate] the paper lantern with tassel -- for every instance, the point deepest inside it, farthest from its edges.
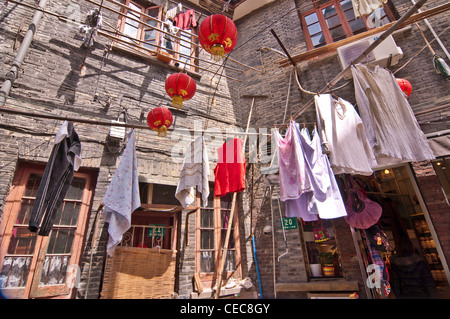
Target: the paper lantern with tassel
(217, 34)
(160, 119)
(405, 86)
(180, 87)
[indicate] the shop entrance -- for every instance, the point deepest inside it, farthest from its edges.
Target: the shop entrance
(411, 255)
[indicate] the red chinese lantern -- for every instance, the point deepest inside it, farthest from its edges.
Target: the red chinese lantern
(180, 87)
(405, 86)
(217, 34)
(159, 119)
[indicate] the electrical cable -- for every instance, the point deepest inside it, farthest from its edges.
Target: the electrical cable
(420, 51)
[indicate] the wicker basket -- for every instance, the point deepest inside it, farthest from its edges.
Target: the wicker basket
(139, 273)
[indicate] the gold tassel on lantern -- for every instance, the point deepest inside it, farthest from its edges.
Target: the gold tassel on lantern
(177, 101)
(162, 131)
(217, 52)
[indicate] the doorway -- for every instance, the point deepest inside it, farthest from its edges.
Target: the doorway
(405, 222)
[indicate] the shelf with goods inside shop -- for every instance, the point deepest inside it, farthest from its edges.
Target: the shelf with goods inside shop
(405, 217)
(323, 254)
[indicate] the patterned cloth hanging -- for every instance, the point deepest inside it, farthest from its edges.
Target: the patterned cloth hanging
(122, 196)
(194, 173)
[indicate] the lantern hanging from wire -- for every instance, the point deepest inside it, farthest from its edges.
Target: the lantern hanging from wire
(217, 34)
(160, 119)
(180, 87)
(405, 86)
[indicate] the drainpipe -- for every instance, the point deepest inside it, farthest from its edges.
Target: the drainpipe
(434, 34)
(13, 73)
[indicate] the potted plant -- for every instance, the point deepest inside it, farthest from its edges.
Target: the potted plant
(315, 266)
(327, 261)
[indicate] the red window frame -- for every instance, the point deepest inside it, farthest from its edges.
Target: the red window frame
(341, 15)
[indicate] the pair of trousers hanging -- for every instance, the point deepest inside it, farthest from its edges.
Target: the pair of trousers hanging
(58, 175)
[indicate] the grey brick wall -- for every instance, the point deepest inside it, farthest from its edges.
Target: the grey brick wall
(50, 82)
(429, 100)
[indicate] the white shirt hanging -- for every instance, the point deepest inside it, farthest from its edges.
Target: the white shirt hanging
(392, 128)
(365, 7)
(341, 128)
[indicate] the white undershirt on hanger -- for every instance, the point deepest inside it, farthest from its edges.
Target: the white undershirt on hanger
(341, 128)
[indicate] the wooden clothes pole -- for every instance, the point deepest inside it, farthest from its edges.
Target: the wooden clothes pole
(225, 248)
(230, 222)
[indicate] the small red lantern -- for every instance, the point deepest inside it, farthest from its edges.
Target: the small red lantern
(405, 86)
(180, 87)
(217, 34)
(159, 119)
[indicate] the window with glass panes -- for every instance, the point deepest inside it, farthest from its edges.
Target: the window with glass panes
(38, 266)
(333, 20)
(212, 226)
(143, 25)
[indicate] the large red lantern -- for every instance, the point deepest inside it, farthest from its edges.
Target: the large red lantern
(159, 119)
(180, 87)
(405, 86)
(217, 34)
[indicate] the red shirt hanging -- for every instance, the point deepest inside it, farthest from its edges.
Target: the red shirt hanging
(185, 20)
(230, 170)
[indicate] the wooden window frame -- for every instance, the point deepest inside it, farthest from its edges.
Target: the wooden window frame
(10, 212)
(209, 279)
(141, 27)
(194, 50)
(342, 18)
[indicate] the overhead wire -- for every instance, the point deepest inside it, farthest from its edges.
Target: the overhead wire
(252, 37)
(420, 51)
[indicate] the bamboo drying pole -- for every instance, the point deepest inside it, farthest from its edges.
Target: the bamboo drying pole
(160, 30)
(136, 50)
(425, 39)
(110, 124)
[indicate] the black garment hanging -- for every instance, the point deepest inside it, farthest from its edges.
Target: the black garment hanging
(58, 176)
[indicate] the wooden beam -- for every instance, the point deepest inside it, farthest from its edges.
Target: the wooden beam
(335, 285)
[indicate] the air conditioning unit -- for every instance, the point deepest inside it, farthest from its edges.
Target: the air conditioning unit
(387, 51)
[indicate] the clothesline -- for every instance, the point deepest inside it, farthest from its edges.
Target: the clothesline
(110, 124)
